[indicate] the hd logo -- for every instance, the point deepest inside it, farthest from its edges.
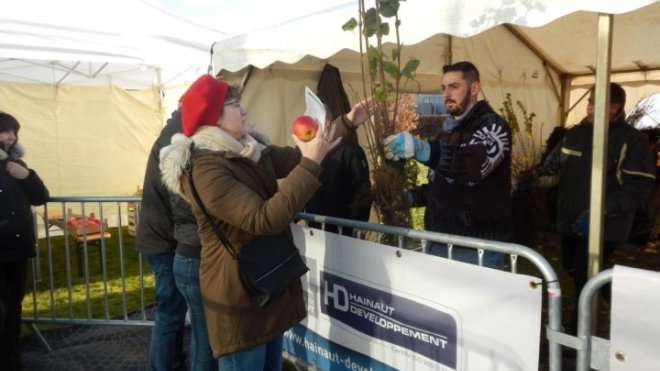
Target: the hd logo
(382, 315)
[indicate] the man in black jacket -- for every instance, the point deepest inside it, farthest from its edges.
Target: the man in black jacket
(469, 188)
(630, 176)
(20, 188)
(168, 237)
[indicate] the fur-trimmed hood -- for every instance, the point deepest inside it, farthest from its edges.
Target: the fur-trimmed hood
(16, 152)
(173, 158)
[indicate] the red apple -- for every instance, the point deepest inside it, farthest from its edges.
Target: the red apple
(304, 127)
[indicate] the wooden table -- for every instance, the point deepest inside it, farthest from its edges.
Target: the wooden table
(93, 237)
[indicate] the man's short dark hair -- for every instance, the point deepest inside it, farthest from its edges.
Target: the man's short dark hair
(617, 94)
(470, 72)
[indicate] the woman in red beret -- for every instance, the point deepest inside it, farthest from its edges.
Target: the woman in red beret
(236, 177)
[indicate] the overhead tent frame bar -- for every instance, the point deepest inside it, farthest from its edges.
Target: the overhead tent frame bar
(55, 65)
(77, 70)
(562, 92)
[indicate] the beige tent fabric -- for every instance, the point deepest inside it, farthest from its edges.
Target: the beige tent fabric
(85, 140)
(634, 93)
(274, 96)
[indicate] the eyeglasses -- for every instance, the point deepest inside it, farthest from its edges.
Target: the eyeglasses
(235, 104)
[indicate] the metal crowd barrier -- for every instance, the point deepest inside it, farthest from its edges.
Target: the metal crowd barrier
(114, 208)
(592, 351)
(55, 278)
(551, 281)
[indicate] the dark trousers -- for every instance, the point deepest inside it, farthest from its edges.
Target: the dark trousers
(12, 290)
(575, 259)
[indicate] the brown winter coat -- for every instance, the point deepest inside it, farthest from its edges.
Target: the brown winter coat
(243, 199)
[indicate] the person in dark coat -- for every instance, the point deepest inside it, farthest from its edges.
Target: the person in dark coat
(629, 179)
(20, 188)
(345, 190)
(186, 272)
(155, 240)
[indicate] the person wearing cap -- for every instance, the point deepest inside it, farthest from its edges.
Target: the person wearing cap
(20, 188)
(629, 179)
(236, 178)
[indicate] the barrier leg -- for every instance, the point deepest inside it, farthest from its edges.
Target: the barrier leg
(39, 336)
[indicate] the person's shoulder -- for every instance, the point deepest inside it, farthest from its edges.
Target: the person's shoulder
(580, 127)
(636, 134)
(485, 113)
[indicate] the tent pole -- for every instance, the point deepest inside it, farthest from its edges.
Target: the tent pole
(450, 49)
(601, 130)
(565, 99)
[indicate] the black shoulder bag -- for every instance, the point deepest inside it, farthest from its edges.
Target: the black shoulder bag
(268, 265)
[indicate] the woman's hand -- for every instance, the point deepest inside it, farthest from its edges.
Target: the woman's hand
(16, 170)
(317, 148)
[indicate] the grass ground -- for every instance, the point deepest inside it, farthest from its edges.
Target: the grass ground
(62, 293)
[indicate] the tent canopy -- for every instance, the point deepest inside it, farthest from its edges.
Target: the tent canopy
(92, 83)
(543, 52)
(566, 40)
(128, 43)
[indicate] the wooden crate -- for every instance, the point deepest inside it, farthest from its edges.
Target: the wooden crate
(79, 225)
(133, 217)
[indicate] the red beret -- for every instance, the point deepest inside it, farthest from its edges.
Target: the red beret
(202, 103)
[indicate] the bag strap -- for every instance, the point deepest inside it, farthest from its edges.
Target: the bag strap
(217, 231)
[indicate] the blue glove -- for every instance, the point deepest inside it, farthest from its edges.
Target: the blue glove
(581, 225)
(403, 145)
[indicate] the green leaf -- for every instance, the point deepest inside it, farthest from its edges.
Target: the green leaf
(372, 56)
(396, 52)
(410, 68)
(385, 28)
(370, 22)
(389, 8)
(349, 25)
(392, 69)
(379, 94)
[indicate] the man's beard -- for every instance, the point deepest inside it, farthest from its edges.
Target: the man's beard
(459, 108)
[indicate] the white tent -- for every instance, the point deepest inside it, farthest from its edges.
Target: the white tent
(92, 82)
(543, 52)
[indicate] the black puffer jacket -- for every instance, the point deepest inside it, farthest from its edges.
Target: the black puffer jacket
(17, 239)
(166, 220)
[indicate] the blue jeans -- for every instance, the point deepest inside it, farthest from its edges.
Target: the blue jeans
(166, 348)
(466, 254)
(266, 357)
(186, 276)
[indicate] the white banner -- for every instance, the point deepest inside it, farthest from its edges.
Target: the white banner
(376, 307)
(635, 327)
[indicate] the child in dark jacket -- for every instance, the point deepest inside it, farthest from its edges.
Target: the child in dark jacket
(20, 188)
